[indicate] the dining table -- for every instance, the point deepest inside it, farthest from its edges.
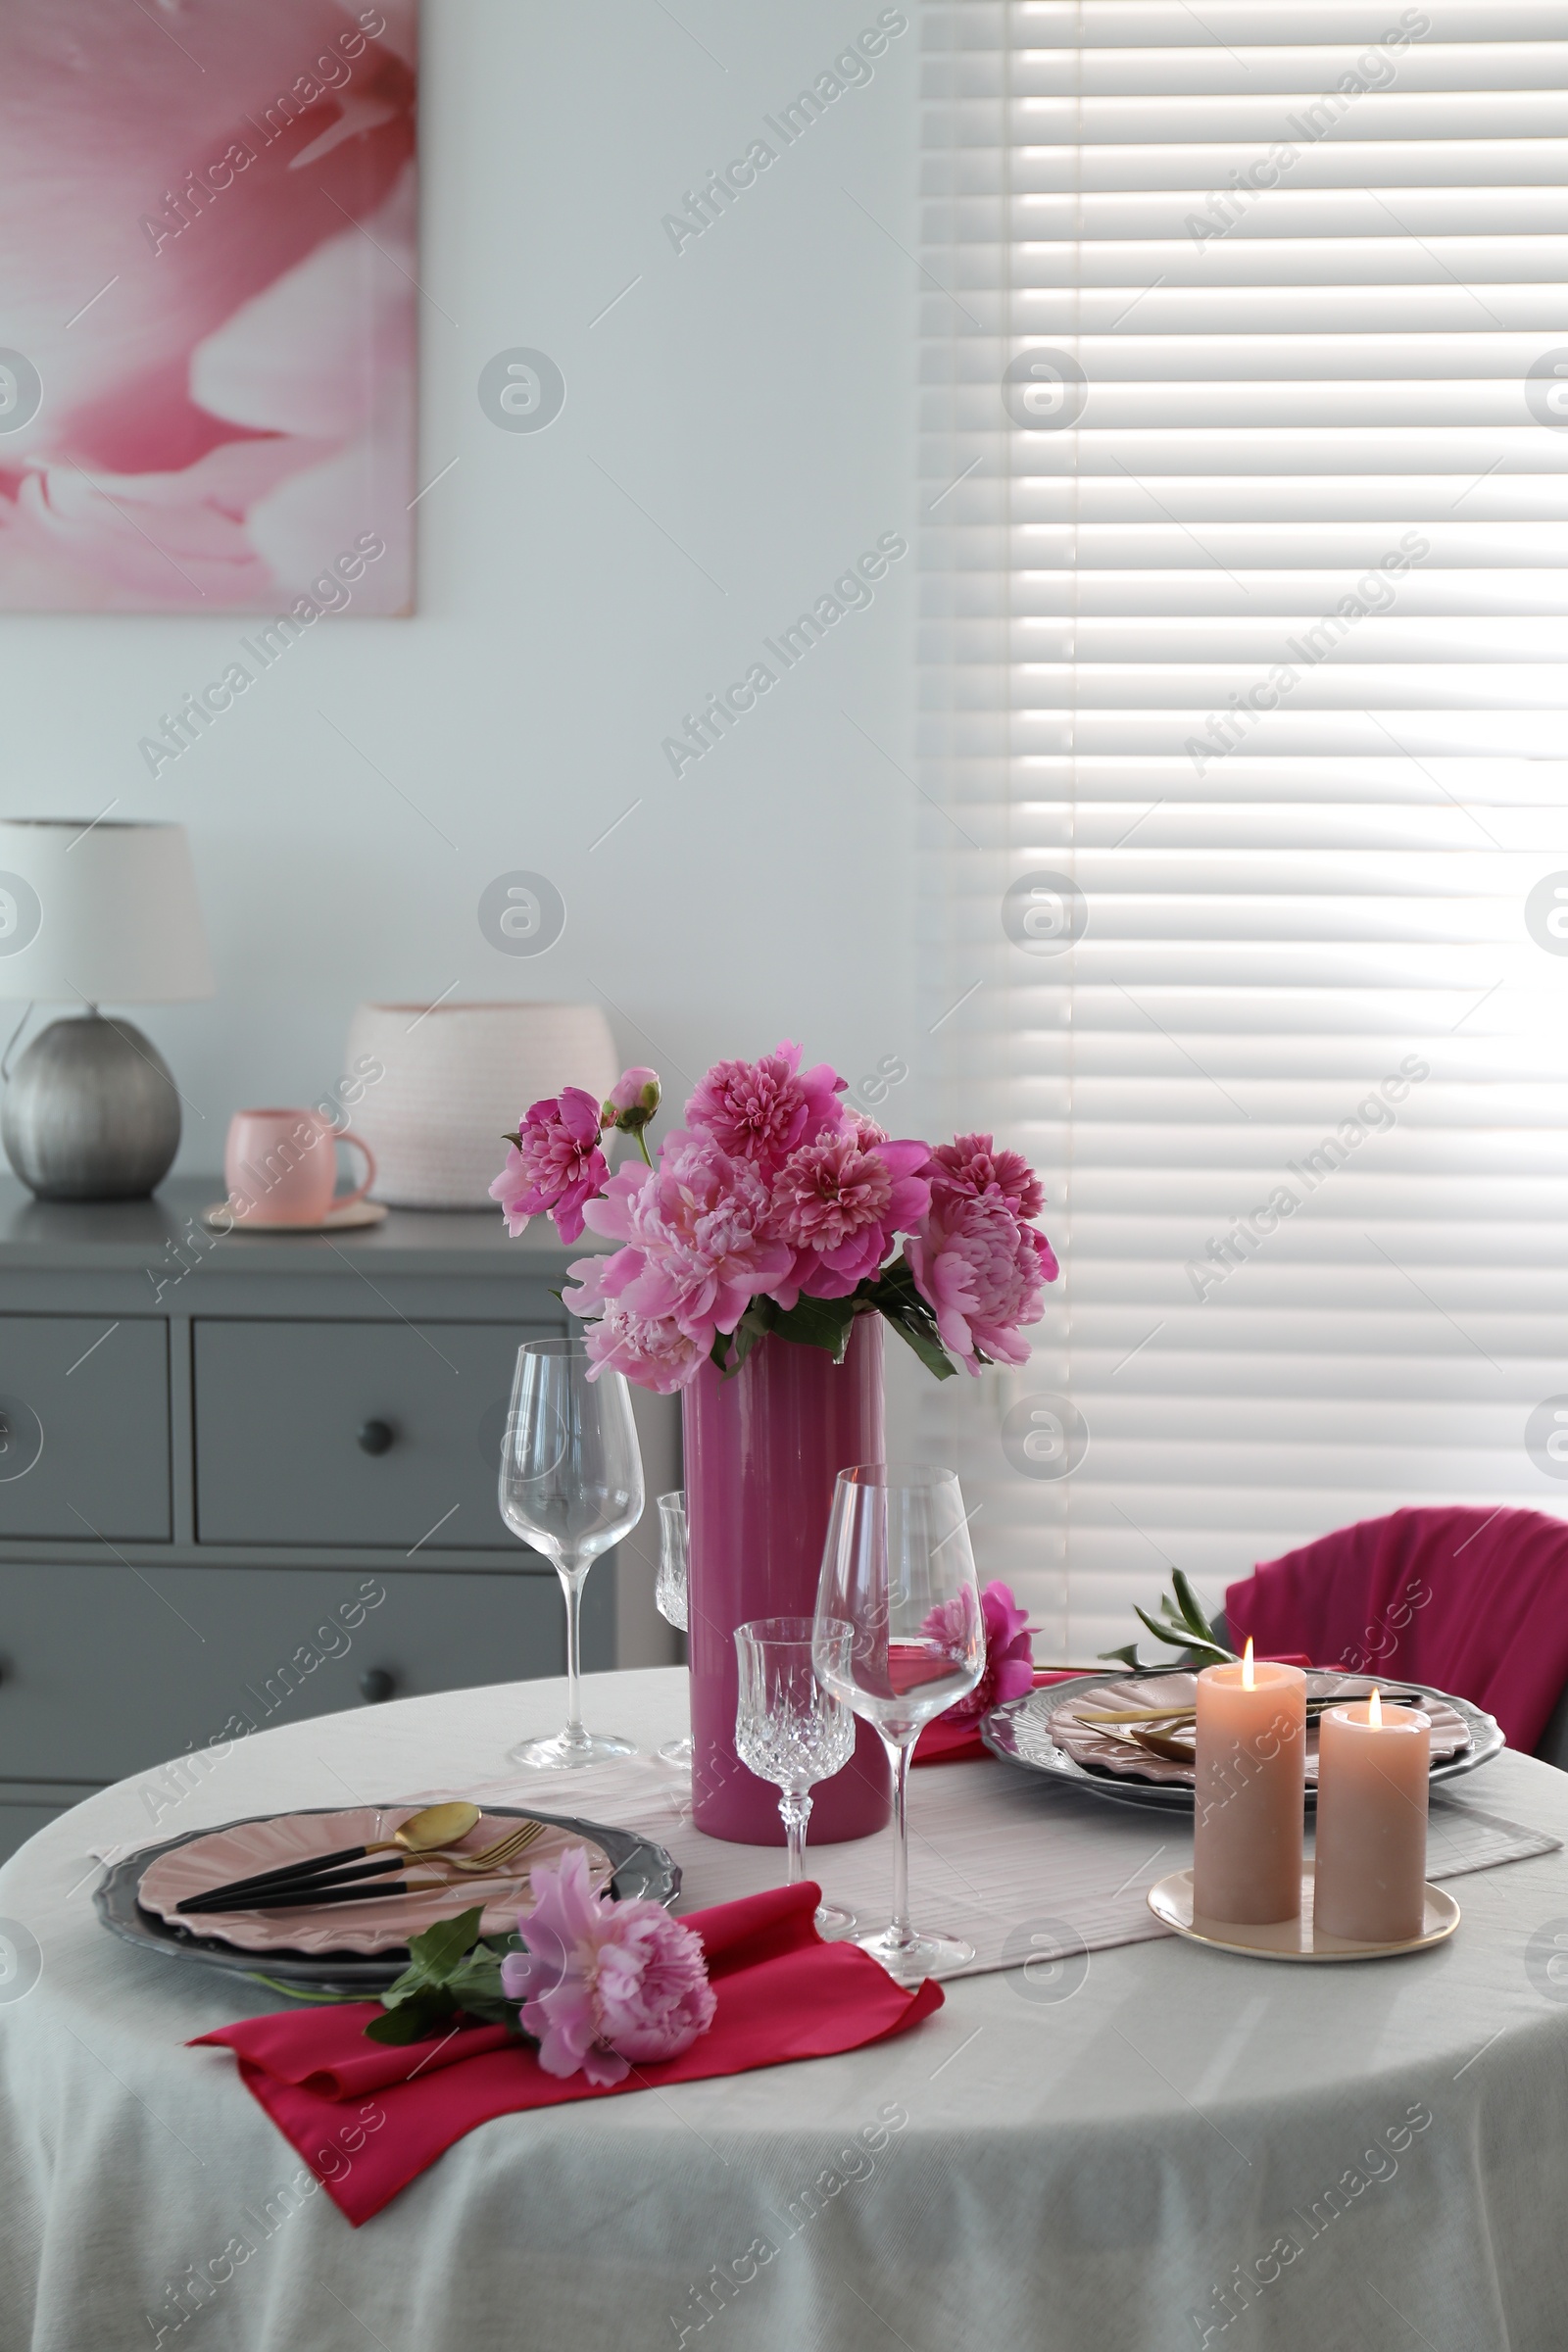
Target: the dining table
(1092, 2145)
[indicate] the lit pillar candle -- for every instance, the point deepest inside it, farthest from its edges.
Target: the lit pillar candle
(1250, 1793)
(1370, 1873)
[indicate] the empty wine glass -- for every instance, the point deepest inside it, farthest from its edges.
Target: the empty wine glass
(898, 1568)
(670, 1594)
(571, 1485)
(789, 1729)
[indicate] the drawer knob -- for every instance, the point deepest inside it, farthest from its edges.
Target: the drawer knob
(375, 1684)
(376, 1436)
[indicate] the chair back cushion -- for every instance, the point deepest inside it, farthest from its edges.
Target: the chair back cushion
(1473, 1602)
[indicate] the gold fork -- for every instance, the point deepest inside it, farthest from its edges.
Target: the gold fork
(504, 1849)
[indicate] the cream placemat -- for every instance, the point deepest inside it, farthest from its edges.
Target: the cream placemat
(1022, 1869)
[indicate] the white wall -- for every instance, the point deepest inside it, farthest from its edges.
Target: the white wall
(754, 395)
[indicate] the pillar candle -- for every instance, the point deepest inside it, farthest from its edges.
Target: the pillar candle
(1249, 1792)
(1370, 1874)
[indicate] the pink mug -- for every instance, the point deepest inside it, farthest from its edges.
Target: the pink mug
(280, 1167)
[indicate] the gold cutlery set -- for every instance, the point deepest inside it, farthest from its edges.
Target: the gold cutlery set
(430, 1836)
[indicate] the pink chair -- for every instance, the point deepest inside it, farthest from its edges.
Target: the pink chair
(1472, 1601)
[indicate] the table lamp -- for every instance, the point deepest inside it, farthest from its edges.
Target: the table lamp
(94, 913)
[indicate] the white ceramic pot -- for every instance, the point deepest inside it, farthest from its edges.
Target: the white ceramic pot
(454, 1080)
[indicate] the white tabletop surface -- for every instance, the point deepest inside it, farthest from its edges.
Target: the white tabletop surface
(1158, 2146)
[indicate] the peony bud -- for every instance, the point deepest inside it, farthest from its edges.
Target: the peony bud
(632, 1102)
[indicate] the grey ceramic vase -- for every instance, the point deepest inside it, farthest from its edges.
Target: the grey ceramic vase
(91, 1112)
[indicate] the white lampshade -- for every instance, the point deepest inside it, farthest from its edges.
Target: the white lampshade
(105, 913)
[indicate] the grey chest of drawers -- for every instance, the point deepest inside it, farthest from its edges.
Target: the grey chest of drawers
(252, 1478)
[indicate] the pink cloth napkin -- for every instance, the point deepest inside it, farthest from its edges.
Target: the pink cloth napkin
(368, 2117)
(1472, 1601)
(950, 1740)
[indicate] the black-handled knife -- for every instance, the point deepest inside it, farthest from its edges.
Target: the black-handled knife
(241, 1896)
(307, 1899)
(304, 1866)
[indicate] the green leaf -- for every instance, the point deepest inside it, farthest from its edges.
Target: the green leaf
(1184, 1640)
(449, 1968)
(922, 1338)
(1161, 1633)
(818, 1323)
(1127, 1655)
(1187, 1603)
(434, 1956)
(754, 1324)
(896, 1297)
(438, 1950)
(718, 1353)
(412, 2020)
(896, 1283)
(476, 1987)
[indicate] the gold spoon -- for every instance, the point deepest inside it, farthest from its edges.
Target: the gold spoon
(437, 1825)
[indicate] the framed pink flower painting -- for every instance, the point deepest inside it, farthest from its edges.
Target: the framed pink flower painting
(207, 334)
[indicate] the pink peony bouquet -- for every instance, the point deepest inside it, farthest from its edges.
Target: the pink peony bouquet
(778, 1207)
(603, 1985)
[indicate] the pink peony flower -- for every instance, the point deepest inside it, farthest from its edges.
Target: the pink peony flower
(759, 1110)
(1009, 1669)
(982, 1271)
(839, 1201)
(605, 1986)
(699, 1245)
(971, 1166)
(651, 1350)
(554, 1164)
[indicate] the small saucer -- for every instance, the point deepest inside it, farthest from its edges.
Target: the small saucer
(1171, 1899)
(221, 1219)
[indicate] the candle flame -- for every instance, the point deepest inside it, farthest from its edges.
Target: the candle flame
(1246, 1665)
(1373, 1712)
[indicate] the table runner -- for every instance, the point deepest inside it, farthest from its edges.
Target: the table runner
(1022, 1868)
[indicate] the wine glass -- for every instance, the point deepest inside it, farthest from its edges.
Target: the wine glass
(670, 1594)
(790, 1729)
(571, 1485)
(898, 1568)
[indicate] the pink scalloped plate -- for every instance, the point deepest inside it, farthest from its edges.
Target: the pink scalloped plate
(368, 1927)
(1087, 1745)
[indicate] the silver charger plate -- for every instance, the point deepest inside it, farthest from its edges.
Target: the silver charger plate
(641, 1869)
(1020, 1733)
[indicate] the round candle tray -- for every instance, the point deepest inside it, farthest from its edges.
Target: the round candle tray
(1171, 1899)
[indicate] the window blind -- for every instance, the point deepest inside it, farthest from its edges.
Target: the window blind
(1244, 425)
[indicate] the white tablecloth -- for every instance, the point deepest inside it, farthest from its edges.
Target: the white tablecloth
(1374, 2154)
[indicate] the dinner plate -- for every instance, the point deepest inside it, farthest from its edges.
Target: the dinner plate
(381, 1923)
(640, 1868)
(1020, 1734)
(1095, 1745)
